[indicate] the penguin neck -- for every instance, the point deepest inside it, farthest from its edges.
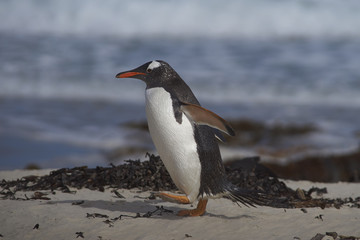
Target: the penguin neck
(178, 90)
(158, 91)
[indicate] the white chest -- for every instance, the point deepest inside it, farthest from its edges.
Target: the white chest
(174, 142)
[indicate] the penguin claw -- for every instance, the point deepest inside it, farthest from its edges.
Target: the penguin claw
(198, 211)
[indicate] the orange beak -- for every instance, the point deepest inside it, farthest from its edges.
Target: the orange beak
(128, 74)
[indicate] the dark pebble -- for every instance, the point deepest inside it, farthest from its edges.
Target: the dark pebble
(79, 234)
(332, 234)
(318, 237)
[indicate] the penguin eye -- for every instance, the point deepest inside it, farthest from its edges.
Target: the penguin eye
(148, 70)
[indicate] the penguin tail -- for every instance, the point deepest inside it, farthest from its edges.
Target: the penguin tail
(247, 197)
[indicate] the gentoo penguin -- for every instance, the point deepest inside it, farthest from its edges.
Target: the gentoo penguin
(184, 134)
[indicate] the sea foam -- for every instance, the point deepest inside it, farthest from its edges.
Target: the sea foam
(211, 18)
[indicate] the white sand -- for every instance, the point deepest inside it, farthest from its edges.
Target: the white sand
(59, 219)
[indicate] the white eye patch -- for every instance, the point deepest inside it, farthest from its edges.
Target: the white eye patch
(153, 64)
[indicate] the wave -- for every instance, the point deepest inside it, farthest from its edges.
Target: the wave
(133, 92)
(203, 18)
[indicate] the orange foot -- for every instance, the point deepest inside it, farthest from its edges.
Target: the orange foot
(173, 198)
(198, 211)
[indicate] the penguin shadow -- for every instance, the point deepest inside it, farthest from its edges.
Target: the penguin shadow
(133, 208)
(222, 216)
(141, 207)
(229, 217)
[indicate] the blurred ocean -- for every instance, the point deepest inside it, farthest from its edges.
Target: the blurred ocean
(293, 62)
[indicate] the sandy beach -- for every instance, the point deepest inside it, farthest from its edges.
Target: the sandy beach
(91, 214)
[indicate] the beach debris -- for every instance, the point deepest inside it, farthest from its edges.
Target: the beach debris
(110, 223)
(36, 226)
(187, 235)
(96, 215)
(318, 191)
(318, 236)
(31, 178)
(342, 237)
(138, 215)
(40, 196)
(6, 192)
(355, 203)
(333, 236)
(117, 194)
(320, 217)
(300, 194)
(152, 175)
(79, 234)
(78, 202)
(152, 196)
(158, 211)
(303, 210)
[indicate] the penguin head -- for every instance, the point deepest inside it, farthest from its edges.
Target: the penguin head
(155, 73)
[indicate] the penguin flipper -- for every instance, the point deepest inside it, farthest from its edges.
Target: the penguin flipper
(219, 136)
(203, 116)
